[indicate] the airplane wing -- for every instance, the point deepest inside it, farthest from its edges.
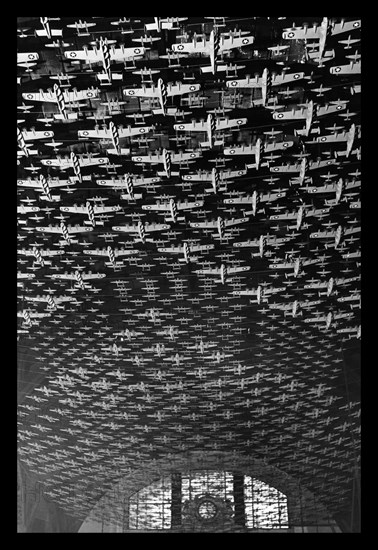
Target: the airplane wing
(88, 276)
(36, 184)
(180, 89)
(154, 159)
(235, 221)
(254, 242)
(323, 234)
(173, 249)
(84, 209)
(69, 96)
(209, 271)
(232, 42)
(193, 126)
(156, 226)
(238, 269)
(199, 46)
(33, 134)
(182, 156)
(200, 247)
(188, 205)
(142, 92)
(212, 223)
(121, 183)
(224, 124)
(157, 207)
(105, 133)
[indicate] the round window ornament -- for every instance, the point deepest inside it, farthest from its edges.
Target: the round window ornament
(207, 510)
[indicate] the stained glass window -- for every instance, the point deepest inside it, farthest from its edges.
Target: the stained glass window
(265, 506)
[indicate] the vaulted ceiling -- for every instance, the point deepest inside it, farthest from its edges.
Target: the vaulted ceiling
(215, 306)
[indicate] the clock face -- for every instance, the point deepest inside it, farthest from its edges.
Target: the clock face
(207, 509)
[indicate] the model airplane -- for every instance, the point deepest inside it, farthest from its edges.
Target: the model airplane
(254, 200)
(310, 110)
(264, 82)
(127, 179)
(140, 229)
(220, 224)
(64, 230)
(216, 177)
(328, 319)
(211, 125)
(75, 162)
(40, 254)
(52, 301)
(262, 293)
(167, 23)
(167, 158)
(336, 234)
(61, 98)
(161, 91)
(105, 54)
(172, 207)
(114, 134)
(186, 249)
(354, 67)
(224, 271)
(295, 265)
(320, 31)
(111, 254)
(216, 44)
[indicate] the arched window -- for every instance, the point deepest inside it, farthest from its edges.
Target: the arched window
(207, 499)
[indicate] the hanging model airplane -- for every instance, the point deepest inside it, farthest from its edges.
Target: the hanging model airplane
(140, 229)
(218, 43)
(224, 271)
(161, 91)
(186, 249)
(172, 207)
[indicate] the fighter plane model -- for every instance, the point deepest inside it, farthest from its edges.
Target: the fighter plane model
(224, 271)
(172, 207)
(161, 91)
(186, 249)
(211, 125)
(218, 43)
(140, 229)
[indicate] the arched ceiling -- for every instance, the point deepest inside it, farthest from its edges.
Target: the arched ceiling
(155, 355)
